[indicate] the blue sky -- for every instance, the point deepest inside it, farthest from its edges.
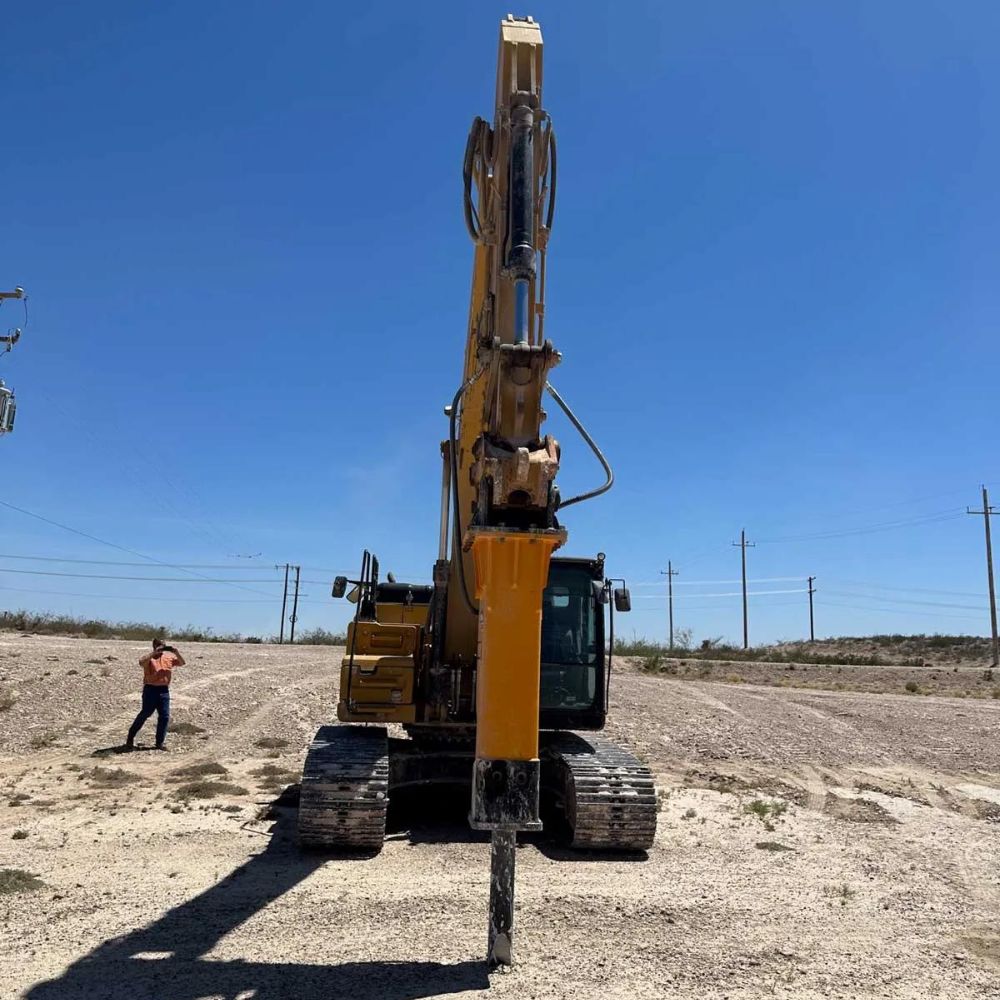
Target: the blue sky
(772, 277)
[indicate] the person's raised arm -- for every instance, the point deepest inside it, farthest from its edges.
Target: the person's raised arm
(178, 659)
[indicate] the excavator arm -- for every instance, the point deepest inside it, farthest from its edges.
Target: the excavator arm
(503, 467)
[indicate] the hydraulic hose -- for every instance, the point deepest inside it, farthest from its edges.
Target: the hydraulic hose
(453, 455)
(593, 447)
(473, 148)
(553, 173)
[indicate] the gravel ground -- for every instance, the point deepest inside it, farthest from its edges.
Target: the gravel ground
(811, 844)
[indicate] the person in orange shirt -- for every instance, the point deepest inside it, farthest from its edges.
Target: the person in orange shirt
(156, 670)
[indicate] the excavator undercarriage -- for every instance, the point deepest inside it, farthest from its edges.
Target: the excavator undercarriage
(599, 796)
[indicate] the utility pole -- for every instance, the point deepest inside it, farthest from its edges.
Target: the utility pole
(284, 603)
(670, 573)
(8, 404)
(295, 603)
(987, 512)
(743, 545)
(812, 590)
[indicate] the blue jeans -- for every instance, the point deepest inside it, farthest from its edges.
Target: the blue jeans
(155, 698)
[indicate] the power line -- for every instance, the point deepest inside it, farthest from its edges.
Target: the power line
(705, 583)
(904, 600)
(175, 565)
(146, 579)
(135, 597)
(113, 545)
(897, 611)
(112, 562)
(783, 602)
(139, 473)
(869, 529)
(906, 590)
(731, 593)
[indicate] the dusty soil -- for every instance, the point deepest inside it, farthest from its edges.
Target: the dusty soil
(811, 844)
(961, 679)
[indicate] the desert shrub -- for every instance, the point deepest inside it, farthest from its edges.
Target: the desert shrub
(112, 777)
(767, 812)
(8, 698)
(274, 778)
(209, 789)
(321, 637)
(185, 728)
(199, 770)
(44, 623)
(17, 880)
(271, 743)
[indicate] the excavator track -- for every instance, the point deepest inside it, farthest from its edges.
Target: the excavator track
(608, 795)
(345, 789)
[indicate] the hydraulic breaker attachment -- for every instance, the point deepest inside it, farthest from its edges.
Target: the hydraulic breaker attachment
(512, 568)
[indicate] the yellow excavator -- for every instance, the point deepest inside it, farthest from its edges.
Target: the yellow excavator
(494, 669)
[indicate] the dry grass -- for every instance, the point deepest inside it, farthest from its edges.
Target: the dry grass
(271, 743)
(184, 729)
(18, 880)
(199, 770)
(112, 777)
(209, 789)
(273, 778)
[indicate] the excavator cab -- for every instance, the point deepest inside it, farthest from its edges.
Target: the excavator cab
(573, 660)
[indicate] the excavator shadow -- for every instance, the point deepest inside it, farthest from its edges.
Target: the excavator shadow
(167, 960)
(434, 814)
(439, 814)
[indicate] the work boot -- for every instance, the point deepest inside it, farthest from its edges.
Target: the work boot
(160, 746)
(129, 744)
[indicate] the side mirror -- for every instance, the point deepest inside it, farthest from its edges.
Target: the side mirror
(339, 586)
(623, 601)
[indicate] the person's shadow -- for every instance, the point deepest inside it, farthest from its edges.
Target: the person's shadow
(119, 749)
(165, 961)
